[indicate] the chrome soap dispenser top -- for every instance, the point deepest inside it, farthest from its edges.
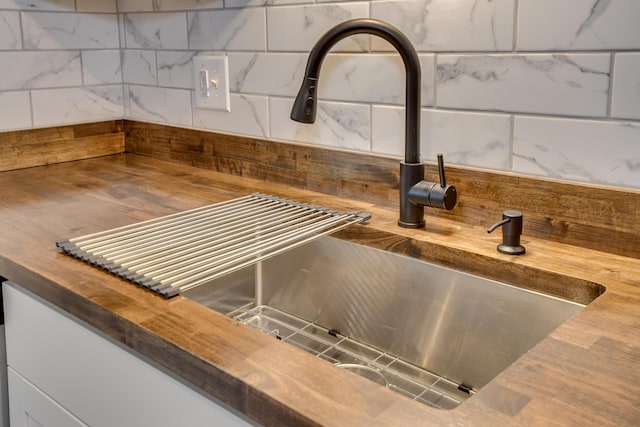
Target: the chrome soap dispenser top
(415, 193)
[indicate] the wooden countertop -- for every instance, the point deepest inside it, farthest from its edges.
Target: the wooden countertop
(587, 372)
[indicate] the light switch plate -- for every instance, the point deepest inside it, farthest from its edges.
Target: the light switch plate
(211, 74)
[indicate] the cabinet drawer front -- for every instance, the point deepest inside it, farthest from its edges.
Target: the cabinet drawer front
(29, 406)
(93, 377)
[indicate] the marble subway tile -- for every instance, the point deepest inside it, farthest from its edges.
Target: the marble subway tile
(309, 22)
(578, 24)
(160, 105)
(247, 3)
(166, 5)
(568, 84)
(29, 69)
(16, 110)
(445, 25)
(266, 73)
(155, 30)
(50, 30)
(135, 5)
(374, 78)
(101, 67)
(10, 38)
(339, 125)
(468, 139)
(139, 67)
(108, 6)
(377, 78)
(626, 86)
(74, 105)
(57, 5)
(248, 116)
(233, 29)
(578, 150)
(175, 69)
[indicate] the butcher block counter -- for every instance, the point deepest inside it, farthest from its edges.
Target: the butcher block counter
(587, 372)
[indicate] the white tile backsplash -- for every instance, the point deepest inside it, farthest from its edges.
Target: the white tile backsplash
(626, 86)
(339, 125)
(167, 5)
(78, 104)
(10, 36)
(161, 5)
(139, 67)
(175, 69)
(371, 78)
(29, 69)
(160, 105)
(578, 150)
(135, 5)
(101, 67)
(50, 30)
(531, 86)
(470, 139)
(247, 3)
(570, 85)
(96, 6)
(297, 28)
(249, 116)
(16, 110)
(578, 24)
(445, 25)
(233, 29)
(344, 77)
(58, 5)
(155, 30)
(266, 73)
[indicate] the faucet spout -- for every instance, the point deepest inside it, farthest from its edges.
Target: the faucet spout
(304, 107)
(411, 170)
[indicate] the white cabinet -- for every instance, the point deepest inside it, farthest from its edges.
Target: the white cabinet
(61, 373)
(31, 407)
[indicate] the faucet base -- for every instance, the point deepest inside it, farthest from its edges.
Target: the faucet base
(411, 224)
(411, 214)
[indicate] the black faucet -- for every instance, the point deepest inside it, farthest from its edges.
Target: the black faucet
(415, 193)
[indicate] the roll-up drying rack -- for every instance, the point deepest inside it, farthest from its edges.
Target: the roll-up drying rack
(181, 251)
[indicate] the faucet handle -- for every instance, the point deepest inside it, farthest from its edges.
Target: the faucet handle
(443, 180)
(433, 194)
(444, 197)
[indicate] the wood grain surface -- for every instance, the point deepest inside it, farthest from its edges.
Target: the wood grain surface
(595, 217)
(36, 147)
(585, 373)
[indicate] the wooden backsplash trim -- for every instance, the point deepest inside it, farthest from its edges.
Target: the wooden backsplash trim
(37, 147)
(599, 218)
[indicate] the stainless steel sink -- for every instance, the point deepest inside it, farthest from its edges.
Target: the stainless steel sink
(434, 334)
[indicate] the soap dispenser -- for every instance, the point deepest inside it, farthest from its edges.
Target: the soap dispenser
(511, 231)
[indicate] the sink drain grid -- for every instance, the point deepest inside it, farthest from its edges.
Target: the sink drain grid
(385, 369)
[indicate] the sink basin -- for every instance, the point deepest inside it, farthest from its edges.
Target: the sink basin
(434, 334)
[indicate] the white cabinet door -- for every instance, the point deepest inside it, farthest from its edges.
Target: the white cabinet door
(93, 377)
(30, 407)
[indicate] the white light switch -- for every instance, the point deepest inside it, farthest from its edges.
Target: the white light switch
(211, 75)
